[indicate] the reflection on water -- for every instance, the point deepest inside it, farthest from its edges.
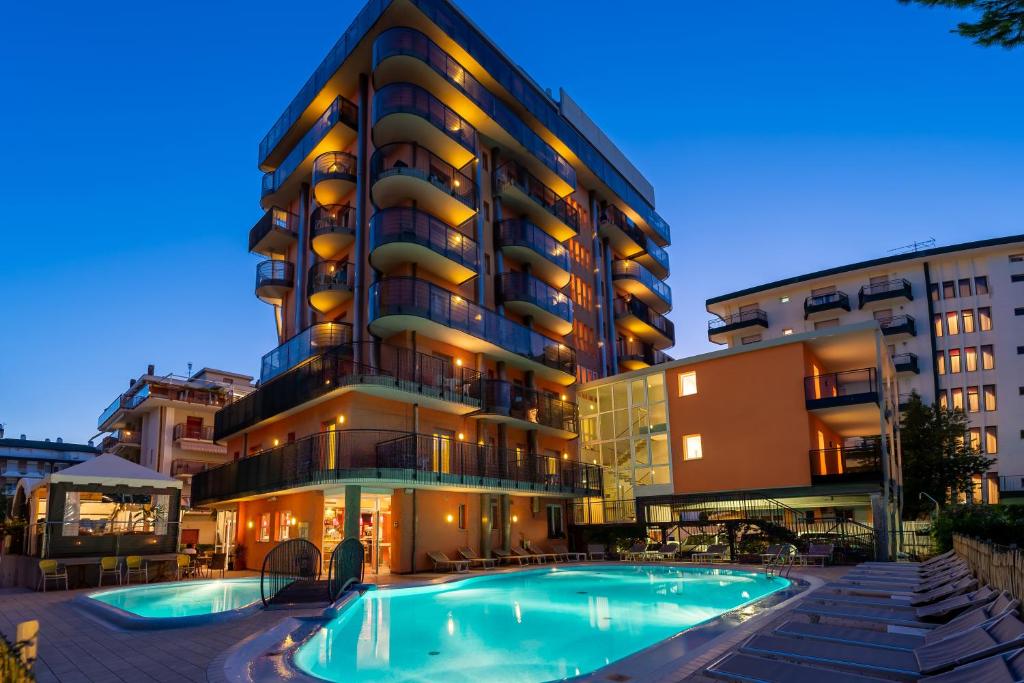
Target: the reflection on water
(522, 627)
(184, 599)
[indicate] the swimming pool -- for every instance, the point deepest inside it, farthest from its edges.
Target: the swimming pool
(180, 603)
(522, 627)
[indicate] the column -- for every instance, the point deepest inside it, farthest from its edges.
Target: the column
(353, 496)
(359, 299)
(486, 524)
(506, 522)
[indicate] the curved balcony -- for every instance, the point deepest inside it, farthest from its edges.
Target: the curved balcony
(528, 244)
(330, 284)
(528, 409)
(654, 259)
(720, 328)
(521, 190)
(630, 276)
(334, 129)
(334, 177)
(638, 319)
(820, 303)
(273, 280)
(274, 233)
(405, 171)
(634, 354)
(624, 236)
(312, 341)
(403, 111)
(526, 295)
(405, 235)
(404, 55)
(332, 229)
(399, 304)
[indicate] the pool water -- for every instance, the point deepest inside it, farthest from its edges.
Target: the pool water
(522, 627)
(184, 599)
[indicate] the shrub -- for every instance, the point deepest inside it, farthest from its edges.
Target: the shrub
(1000, 524)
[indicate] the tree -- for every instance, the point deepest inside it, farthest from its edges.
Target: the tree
(938, 456)
(1001, 22)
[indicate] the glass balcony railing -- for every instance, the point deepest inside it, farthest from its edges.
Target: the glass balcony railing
(335, 218)
(406, 98)
(658, 254)
(411, 296)
(410, 159)
(408, 225)
(274, 273)
(529, 405)
(275, 219)
(640, 352)
(525, 287)
(411, 43)
(611, 215)
(645, 314)
(634, 271)
(312, 341)
(516, 232)
(512, 174)
(329, 276)
(847, 464)
(340, 111)
(841, 388)
(334, 166)
(736, 321)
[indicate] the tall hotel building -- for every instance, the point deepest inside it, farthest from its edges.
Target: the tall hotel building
(953, 319)
(448, 251)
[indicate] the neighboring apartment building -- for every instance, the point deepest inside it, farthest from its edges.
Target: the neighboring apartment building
(29, 459)
(953, 318)
(448, 251)
(796, 430)
(165, 423)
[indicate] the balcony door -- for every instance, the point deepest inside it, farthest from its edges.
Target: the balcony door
(194, 427)
(442, 450)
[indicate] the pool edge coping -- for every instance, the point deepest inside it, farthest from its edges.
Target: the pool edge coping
(269, 656)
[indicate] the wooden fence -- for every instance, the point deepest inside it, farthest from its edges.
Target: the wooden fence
(999, 566)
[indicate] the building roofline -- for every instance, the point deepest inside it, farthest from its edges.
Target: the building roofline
(860, 265)
(49, 445)
(811, 335)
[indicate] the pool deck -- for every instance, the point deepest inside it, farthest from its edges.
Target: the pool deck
(76, 647)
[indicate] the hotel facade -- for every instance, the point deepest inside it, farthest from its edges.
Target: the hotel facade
(800, 431)
(448, 250)
(953, 321)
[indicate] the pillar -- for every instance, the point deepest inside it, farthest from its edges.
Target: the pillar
(353, 495)
(506, 522)
(486, 524)
(880, 517)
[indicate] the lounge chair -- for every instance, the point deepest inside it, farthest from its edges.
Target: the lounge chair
(1003, 668)
(50, 570)
(135, 566)
(868, 573)
(596, 551)
(885, 599)
(539, 558)
(910, 579)
(887, 587)
(635, 551)
(819, 553)
(668, 551)
(508, 558)
(899, 641)
(1001, 634)
(469, 555)
(927, 617)
(938, 559)
(109, 567)
(564, 551)
(714, 552)
(769, 555)
(442, 563)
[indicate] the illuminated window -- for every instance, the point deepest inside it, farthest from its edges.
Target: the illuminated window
(943, 400)
(940, 362)
(991, 440)
(954, 361)
(985, 319)
(990, 396)
(953, 322)
(687, 383)
(284, 519)
(692, 448)
(958, 398)
(933, 291)
(971, 358)
(264, 535)
(783, 299)
(972, 400)
(787, 331)
(968, 320)
(988, 358)
(937, 320)
(974, 436)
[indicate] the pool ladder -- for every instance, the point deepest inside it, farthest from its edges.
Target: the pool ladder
(782, 563)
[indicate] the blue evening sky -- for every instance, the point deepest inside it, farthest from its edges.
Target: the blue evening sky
(781, 137)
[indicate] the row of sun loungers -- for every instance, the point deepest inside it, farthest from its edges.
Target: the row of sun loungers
(907, 622)
(469, 558)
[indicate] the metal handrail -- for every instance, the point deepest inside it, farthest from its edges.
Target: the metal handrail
(755, 315)
(406, 98)
(183, 430)
(631, 269)
(515, 286)
(515, 175)
(409, 225)
(411, 159)
(519, 232)
(345, 567)
(292, 561)
(333, 218)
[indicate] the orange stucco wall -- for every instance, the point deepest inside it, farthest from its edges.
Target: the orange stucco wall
(750, 412)
(307, 508)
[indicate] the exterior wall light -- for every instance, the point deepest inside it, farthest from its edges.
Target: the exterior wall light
(450, 518)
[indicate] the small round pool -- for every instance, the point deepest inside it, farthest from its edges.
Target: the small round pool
(182, 603)
(525, 626)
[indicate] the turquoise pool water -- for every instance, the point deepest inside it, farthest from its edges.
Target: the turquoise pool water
(522, 627)
(185, 599)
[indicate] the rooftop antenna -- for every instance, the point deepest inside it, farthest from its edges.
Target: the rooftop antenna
(914, 247)
(190, 371)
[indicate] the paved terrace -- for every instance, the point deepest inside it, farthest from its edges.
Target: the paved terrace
(76, 647)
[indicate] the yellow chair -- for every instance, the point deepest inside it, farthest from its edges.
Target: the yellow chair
(134, 566)
(109, 567)
(49, 570)
(185, 566)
